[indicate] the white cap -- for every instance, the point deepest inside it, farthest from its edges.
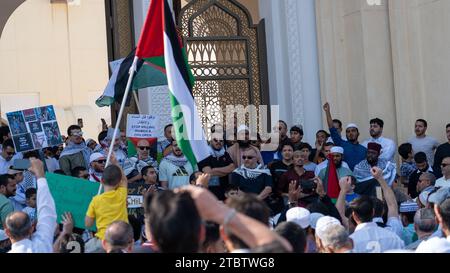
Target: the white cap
(314, 217)
(95, 156)
(323, 223)
(298, 215)
(337, 150)
(351, 125)
(88, 140)
(242, 128)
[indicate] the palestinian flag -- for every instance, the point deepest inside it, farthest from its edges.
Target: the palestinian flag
(146, 75)
(333, 188)
(160, 47)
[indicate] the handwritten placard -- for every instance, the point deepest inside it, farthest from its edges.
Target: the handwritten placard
(142, 126)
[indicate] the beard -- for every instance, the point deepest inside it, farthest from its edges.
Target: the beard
(243, 143)
(338, 164)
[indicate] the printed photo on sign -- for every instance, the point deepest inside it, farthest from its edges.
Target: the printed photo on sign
(52, 133)
(35, 127)
(29, 115)
(46, 113)
(39, 140)
(23, 143)
(16, 123)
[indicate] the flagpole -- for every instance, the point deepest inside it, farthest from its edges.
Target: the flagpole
(137, 102)
(119, 117)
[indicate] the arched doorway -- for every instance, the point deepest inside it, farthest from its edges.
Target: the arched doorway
(226, 52)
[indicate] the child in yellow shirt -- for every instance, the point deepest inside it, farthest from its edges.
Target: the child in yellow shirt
(109, 206)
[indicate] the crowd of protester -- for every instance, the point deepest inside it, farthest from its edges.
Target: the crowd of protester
(341, 195)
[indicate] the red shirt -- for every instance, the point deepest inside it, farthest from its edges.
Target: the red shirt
(287, 177)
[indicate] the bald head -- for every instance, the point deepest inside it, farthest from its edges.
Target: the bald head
(119, 235)
(18, 226)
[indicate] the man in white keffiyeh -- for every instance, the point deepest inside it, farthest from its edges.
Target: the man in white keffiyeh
(251, 177)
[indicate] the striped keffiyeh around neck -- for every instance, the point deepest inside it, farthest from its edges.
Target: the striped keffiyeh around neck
(177, 161)
(216, 153)
(248, 173)
(73, 148)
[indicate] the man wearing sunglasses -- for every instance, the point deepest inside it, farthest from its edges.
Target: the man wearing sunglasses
(219, 165)
(444, 181)
(133, 165)
(251, 177)
(6, 158)
(76, 153)
(97, 162)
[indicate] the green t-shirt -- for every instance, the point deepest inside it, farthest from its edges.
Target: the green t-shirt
(5, 209)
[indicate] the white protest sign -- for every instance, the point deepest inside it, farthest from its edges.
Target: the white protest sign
(142, 126)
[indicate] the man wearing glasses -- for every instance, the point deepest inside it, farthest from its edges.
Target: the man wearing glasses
(7, 155)
(134, 165)
(219, 165)
(445, 168)
(251, 177)
(76, 153)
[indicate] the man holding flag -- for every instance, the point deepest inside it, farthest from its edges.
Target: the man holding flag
(334, 171)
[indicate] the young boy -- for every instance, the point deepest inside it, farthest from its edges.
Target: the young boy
(151, 178)
(30, 209)
(351, 194)
(231, 190)
(109, 206)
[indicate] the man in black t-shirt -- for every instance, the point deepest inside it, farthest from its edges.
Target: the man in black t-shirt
(219, 165)
(251, 177)
(279, 167)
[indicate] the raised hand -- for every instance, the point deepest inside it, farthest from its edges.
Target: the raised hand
(319, 189)
(326, 107)
(37, 167)
(376, 172)
(68, 223)
(294, 193)
(345, 183)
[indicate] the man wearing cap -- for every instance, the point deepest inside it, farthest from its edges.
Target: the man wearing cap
(353, 151)
(388, 146)
(337, 154)
(444, 181)
(97, 163)
(441, 201)
(243, 143)
(407, 211)
(76, 153)
(332, 237)
(362, 172)
(298, 215)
